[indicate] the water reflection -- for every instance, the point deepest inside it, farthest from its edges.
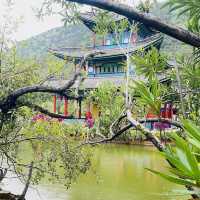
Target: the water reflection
(118, 173)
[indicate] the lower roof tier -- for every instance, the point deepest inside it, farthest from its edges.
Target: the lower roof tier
(95, 82)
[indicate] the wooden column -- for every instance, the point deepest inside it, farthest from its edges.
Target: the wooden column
(134, 38)
(65, 106)
(88, 107)
(59, 104)
(86, 67)
(103, 41)
(54, 103)
(80, 105)
(94, 40)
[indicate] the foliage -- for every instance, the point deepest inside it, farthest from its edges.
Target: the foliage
(149, 96)
(149, 63)
(53, 151)
(106, 23)
(187, 8)
(55, 154)
(48, 144)
(183, 158)
(145, 6)
(189, 73)
(17, 130)
(110, 102)
(68, 10)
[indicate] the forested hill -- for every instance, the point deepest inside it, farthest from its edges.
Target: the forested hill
(79, 35)
(37, 46)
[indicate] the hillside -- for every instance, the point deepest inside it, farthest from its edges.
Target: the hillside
(37, 46)
(79, 35)
(170, 45)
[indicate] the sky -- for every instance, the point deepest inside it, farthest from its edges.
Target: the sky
(30, 25)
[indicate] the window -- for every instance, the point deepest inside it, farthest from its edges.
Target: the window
(108, 42)
(120, 68)
(125, 37)
(98, 70)
(132, 69)
(125, 40)
(90, 69)
(113, 69)
(110, 68)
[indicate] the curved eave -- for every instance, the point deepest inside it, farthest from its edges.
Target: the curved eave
(63, 56)
(58, 55)
(108, 53)
(87, 22)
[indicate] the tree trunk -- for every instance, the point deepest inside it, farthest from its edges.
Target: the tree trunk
(129, 12)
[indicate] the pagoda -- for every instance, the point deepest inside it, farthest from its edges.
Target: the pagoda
(109, 65)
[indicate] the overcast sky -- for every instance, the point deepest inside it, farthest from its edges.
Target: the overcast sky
(31, 25)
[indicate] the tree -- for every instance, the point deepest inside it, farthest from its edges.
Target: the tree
(145, 93)
(13, 100)
(22, 83)
(17, 130)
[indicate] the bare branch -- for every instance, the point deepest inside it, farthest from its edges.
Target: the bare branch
(105, 140)
(137, 125)
(21, 140)
(44, 111)
(10, 101)
(117, 121)
(145, 131)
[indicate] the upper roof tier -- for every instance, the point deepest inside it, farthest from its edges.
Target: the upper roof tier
(106, 51)
(89, 20)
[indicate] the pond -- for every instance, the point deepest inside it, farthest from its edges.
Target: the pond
(117, 173)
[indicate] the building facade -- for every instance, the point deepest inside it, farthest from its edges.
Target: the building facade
(110, 63)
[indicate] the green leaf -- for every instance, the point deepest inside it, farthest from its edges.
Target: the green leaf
(191, 129)
(186, 156)
(173, 178)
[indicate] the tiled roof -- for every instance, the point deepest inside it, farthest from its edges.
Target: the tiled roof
(94, 82)
(90, 16)
(78, 53)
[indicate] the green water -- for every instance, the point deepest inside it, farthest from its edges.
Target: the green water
(118, 173)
